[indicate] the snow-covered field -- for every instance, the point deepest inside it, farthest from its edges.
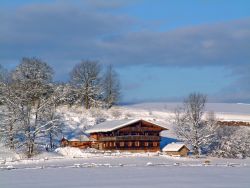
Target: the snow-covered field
(127, 177)
(70, 167)
(124, 170)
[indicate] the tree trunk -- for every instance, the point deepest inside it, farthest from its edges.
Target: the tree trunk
(51, 140)
(87, 106)
(11, 137)
(196, 150)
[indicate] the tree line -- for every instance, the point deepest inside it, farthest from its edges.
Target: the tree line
(29, 98)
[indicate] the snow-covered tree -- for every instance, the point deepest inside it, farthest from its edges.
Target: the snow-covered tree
(233, 142)
(71, 94)
(31, 82)
(85, 76)
(111, 87)
(30, 99)
(9, 111)
(54, 129)
(191, 125)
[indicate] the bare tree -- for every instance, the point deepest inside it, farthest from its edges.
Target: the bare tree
(111, 87)
(191, 127)
(86, 79)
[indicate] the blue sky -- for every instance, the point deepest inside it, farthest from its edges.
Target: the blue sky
(162, 49)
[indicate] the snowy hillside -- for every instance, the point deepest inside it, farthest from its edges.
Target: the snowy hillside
(78, 119)
(229, 108)
(226, 111)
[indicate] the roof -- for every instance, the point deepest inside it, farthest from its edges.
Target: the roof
(74, 139)
(108, 126)
(81, 138)
(174, 147)
(84, 138)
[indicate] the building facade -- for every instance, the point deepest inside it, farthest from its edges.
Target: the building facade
(126, 135)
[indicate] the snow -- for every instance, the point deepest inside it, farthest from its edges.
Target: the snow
(173, 147)
(127, 171)
(7, 154)
(227, 108)
(74, 139)
(84, 138)
(81, 137)
(112, 125)
(127, 177)
(77, 119)
(74, 167)
(223, 111)
(70, 152)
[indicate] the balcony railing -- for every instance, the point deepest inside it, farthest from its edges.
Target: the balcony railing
(140, 129)
(129, 138)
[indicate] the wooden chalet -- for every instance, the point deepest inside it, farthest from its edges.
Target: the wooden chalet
(176, 149)
(127, 134)
(74, 142)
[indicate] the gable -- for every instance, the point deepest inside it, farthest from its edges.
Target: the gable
(140, 126)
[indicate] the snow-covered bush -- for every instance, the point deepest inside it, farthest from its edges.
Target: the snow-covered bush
(69, 152)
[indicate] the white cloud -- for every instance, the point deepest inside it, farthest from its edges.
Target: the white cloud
(63, 32)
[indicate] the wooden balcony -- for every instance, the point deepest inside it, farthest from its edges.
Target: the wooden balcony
(131, 138)
(140, 129)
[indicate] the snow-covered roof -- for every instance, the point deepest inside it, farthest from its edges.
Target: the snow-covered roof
(114, 124)
(74, 139)
(79, 138)
(84, 138)
(173, 147)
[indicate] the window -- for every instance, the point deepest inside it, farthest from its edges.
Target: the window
(146, 144)
(155, 144)
(129, 144)
(121, 144)
(137, 144)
